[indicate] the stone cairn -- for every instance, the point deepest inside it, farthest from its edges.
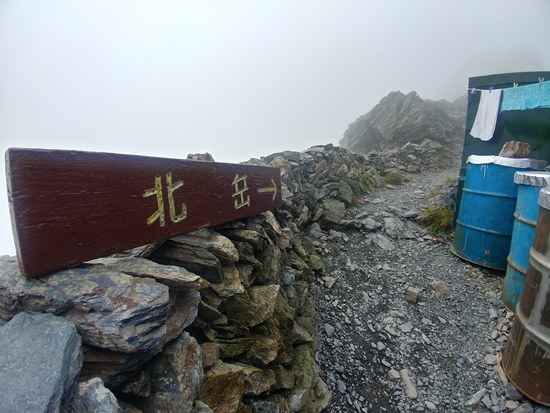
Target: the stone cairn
(219, 320)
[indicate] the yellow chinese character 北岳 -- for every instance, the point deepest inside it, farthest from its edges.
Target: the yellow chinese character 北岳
(157, 190)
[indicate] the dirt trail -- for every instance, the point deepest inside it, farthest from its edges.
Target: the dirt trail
(381, 353)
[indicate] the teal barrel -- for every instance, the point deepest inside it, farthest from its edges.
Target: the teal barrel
(525, 359)
(483, 231)
(525, 221)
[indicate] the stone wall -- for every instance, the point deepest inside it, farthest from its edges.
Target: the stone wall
(222, 319)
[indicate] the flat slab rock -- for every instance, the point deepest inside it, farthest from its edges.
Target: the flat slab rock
(110, 309)
(39, 363)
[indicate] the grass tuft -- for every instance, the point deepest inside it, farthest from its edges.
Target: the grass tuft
(438, 219)
(394, 178)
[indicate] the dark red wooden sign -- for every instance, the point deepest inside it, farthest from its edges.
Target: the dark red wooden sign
(68, 207)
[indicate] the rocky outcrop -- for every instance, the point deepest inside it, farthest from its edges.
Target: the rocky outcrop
(39, 363)
(222, 319)
(400, 120)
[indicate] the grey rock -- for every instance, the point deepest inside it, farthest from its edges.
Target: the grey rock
(345, 193)
(315, 230)
(113, 367)
(231, 281)
(328, 329)
(410, 389)
(39, 363)
(430, 406)
(369, 224)
(341, 386)
(491, 359)
(176, 375)
(93, 396)
(406, 328)
(412, 295)
(382, 242)
(289, 276)
(394, 374)
(246, 254)
(245, 235)
(197, 260)
(211, 241)
(410, 214)
(512, 393)
(109, 309)
(182, 311)
(476, 398)
(393, 227)
(334, 211)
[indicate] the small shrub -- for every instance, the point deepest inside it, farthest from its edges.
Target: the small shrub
(367, 182)
(438, 219)
(394, 178)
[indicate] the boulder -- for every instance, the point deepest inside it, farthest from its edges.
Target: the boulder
(334, 212)
(110, 309)
(39, 363)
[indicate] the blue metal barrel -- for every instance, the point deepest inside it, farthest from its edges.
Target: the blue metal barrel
(525, 221)
(485, 220)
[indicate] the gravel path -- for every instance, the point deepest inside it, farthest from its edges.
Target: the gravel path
(379, 352)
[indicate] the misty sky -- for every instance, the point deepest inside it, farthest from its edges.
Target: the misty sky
(238, 79)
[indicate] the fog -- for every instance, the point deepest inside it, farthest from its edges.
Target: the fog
(238, 79)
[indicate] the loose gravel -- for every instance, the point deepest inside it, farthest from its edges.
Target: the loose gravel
(379, 352)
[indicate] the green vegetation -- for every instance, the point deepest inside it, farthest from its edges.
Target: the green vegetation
(438, 219)
(367, 181)
(394, 178)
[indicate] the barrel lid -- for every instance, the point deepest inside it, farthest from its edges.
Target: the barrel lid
(544, 198)
(532, 178)
(535, 164)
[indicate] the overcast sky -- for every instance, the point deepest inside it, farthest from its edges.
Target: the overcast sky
(238, 79)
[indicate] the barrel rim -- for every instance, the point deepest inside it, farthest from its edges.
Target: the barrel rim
(536, 164)
(539, 179)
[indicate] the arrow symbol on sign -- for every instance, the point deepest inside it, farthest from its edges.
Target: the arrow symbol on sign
(269, 189)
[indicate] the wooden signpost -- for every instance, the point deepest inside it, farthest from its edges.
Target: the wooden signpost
(68, 207)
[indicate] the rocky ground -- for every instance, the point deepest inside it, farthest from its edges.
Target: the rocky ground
(381, 353)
